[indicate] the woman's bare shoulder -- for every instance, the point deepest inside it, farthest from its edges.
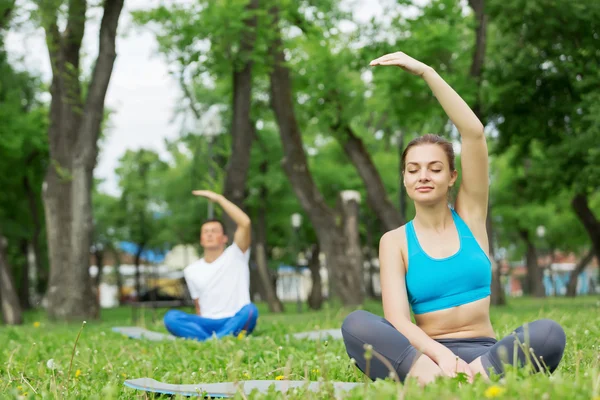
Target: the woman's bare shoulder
(394, 242)
(395, 236)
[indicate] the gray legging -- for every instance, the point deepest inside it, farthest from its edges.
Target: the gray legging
(545, 337)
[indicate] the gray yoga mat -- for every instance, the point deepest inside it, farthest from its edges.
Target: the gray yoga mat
(136, 332)
(323, 334)
(229, 389)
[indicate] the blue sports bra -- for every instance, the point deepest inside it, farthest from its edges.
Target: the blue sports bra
(438, 283)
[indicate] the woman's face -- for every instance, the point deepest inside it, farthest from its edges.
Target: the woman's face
(427, 174)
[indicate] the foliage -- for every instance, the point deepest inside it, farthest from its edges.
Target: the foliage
(142, 214)
(23, 159)
(543, 80)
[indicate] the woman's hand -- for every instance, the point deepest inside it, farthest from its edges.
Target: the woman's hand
(403, 61)
(451, 365)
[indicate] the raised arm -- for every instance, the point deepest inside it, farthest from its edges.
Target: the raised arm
(473, 194)
(242, 236)
(472, 199)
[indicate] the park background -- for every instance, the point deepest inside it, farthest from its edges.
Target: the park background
(113, 112)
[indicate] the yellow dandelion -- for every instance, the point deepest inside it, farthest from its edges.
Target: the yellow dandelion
(20, 388)
(279, 377)
(77, 373)
(316, 370)
(494, 391)
(124, 375)
(36, 324)
(246, 375)
(241, 335)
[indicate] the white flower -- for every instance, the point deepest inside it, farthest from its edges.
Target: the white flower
(51, 364)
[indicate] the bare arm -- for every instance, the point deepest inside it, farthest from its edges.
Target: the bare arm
(243, 232)
(395, 298)
(242, 236)
(197, 304)
(472, 200)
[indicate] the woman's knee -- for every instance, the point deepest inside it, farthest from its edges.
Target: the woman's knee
(357, 324)
(548, 341)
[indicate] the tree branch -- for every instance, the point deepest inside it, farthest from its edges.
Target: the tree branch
(53, 38)
(94, 105)
(73, 35)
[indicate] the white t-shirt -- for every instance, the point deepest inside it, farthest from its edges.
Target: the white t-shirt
(222, 287)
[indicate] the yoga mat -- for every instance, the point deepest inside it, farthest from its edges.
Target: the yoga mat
(136, 332)
(319, 335)
(229, 389)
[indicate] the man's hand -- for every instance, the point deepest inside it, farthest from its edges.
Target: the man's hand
(212, 196)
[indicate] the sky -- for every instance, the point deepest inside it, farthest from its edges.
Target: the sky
(141, 93)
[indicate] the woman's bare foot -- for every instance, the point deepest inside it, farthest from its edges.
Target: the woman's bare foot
(425, 370)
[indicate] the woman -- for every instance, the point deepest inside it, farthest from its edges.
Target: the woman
(438, 264)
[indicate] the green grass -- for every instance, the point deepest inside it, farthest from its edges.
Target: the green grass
(103, 359)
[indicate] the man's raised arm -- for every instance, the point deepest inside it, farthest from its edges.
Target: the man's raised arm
(242, 236)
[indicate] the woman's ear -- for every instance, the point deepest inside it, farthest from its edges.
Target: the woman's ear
(453, 178)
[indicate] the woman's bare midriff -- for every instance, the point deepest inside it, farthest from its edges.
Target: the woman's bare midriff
(466, 321)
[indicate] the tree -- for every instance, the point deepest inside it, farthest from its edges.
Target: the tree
(11, 309)
(543, 96)
(143, 214)
(76, 114)
(23, 158)
(346, 271)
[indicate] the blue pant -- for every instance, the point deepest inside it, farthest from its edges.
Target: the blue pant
(193, 326)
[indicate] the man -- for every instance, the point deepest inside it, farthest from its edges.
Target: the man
(219, 283)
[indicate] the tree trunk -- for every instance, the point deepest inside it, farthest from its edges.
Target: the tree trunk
(11, 309)
(498, 297)
(534, 281)
(24, 276)
(99, 255)
(329, 233)
(242, 128)
(574, 277)
(315, 298)
(349, 204)
(39, 274)
(478, 62)
(588, 219)
(138, 277)
(269, 290)
(118, 277)
(75, 123)
(376, 194)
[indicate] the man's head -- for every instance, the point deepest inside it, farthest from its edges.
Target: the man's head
(213, 235)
